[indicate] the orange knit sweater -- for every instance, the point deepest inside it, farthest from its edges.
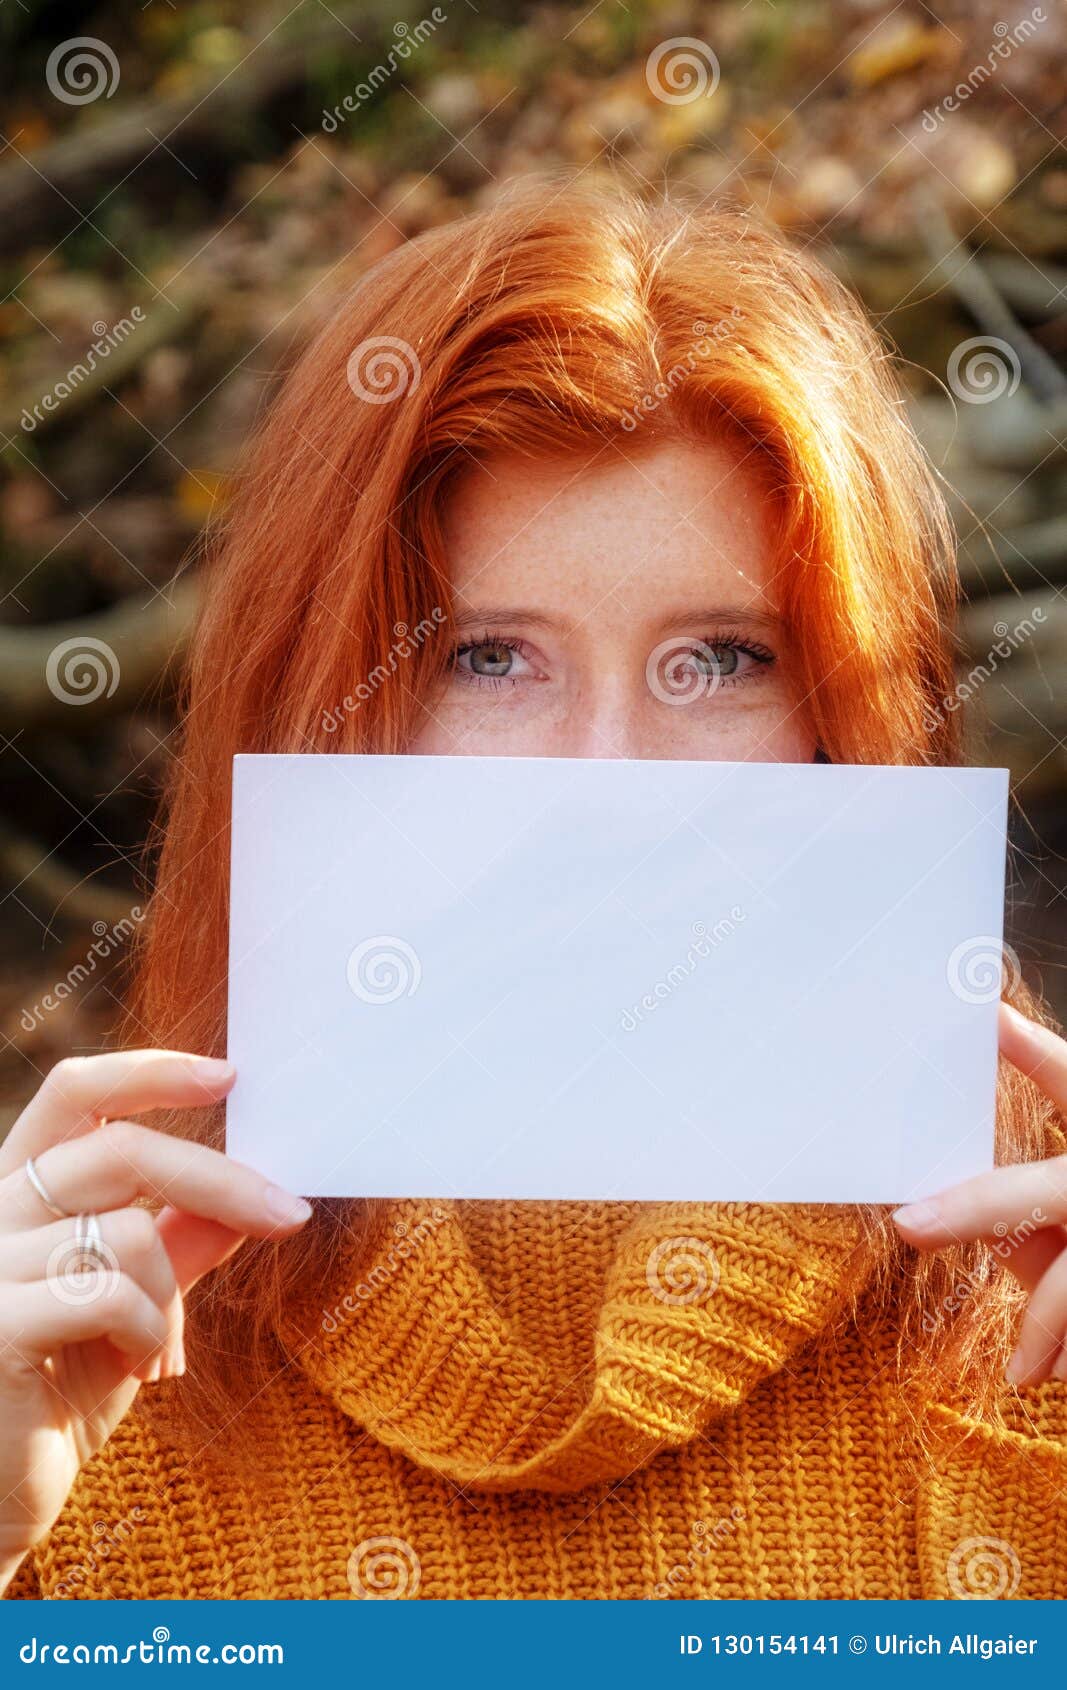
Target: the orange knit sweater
(536, 1400)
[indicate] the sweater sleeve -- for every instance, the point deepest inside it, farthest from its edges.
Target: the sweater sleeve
(122, 1530)
(25, 1586)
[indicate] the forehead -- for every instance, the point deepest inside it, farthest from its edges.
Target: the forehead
(634, 522)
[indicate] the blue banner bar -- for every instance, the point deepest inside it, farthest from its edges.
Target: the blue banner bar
(541, 1644)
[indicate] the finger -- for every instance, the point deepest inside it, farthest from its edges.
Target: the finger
(194, 1245)
(35, 1322)
(1031, 1260)
(1015, 1202)
(1044, 1325)
(1037, 1052)
(129, 1241)
(119, 1162)
(80, 1090)
(133, 1242)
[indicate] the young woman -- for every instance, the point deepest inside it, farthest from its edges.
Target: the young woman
(600, 457)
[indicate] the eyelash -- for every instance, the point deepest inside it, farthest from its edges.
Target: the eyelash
(727, 639)
(495, 682)
(731, 639)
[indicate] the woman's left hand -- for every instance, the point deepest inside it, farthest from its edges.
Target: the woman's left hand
(1021, 1210)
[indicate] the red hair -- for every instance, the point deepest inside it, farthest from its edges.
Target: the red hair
(558, 319)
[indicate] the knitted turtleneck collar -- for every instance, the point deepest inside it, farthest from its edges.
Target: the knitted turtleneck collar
(554, 1346)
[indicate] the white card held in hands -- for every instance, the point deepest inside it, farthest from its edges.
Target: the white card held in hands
(545, 978)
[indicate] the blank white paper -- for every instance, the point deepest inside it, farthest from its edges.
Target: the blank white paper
(564, 978)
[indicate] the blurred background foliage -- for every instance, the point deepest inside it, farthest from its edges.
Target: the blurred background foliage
(186, 201)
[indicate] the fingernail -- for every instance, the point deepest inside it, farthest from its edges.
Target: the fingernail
(211, 1069)
(281, 1205)
(919, 1217)
(1013, 1371)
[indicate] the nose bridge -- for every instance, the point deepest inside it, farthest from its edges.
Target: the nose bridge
(608, 712)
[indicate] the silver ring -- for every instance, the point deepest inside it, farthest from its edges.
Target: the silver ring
(90, 1251)
(43, 1192)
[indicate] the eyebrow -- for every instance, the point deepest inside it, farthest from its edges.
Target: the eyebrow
(695, 615)
(721, 613)
(484, 617)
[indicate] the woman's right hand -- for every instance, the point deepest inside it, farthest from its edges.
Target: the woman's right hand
(76, 1347)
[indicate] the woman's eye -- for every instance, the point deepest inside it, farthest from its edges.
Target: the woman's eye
(718, 660)
(714, 662)
(492, 660)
